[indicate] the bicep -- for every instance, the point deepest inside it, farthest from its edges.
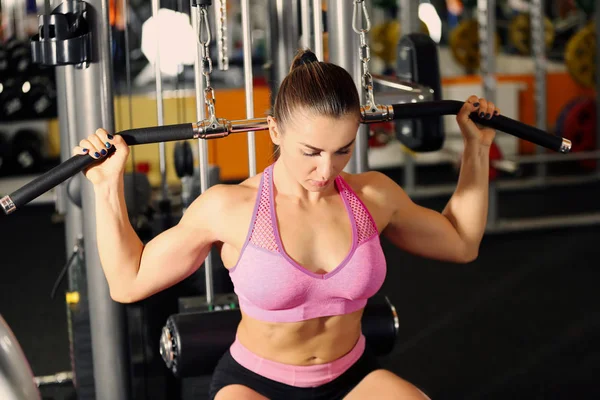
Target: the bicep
(176, 253)
(423, 232)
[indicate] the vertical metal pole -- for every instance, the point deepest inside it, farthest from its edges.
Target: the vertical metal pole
(220, 16)
(94, 102)
(343, 48)
(409, 16)
(68, 139)
(538, 45)
(284, 39)
(487, 47)
(409, 23)
(202, 146)
(305, 22)
(248, 78)
(160, 115)
(318, 28)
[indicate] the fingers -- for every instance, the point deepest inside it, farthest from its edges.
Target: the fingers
(485, 109)
(97, 144)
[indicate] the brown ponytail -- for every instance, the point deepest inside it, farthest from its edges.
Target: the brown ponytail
(322, 88)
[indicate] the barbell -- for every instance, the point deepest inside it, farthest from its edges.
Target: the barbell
(218, 128)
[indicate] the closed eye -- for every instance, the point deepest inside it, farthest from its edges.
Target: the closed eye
(340, 152)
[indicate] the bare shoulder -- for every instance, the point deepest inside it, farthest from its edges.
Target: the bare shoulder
(374, 186)
(223, 206)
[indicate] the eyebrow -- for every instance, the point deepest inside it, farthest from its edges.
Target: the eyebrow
(317, 149)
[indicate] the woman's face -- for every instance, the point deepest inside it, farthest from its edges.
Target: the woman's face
(315, 149)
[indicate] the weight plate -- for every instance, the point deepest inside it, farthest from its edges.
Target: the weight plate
(577, 123)
(580, 56)
(519, 33)
(464, 44)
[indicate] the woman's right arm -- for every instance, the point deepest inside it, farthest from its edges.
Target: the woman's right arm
(135, 271)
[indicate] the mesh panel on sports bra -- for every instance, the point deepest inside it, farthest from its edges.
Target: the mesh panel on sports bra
(263, 235)
(365, 228)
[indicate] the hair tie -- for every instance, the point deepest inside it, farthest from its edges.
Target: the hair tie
(308, 57)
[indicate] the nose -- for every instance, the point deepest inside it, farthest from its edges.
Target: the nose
(325, 168)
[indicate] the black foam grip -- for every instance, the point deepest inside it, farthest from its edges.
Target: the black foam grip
(78, 163)
(54, 177)
(158, 134)
(499, 122)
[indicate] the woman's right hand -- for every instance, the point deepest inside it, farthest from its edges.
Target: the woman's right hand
(97, 145)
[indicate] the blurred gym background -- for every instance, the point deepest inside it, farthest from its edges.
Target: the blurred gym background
(522, 321)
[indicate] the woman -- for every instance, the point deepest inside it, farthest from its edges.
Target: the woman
(300, 241)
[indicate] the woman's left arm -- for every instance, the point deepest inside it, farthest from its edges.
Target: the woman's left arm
(454, 234)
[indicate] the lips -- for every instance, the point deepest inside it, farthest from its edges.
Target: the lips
(321, 183)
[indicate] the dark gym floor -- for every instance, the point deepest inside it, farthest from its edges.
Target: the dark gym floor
(522, 321)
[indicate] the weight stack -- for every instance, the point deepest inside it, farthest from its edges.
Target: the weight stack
(418, 62)
(80, 333)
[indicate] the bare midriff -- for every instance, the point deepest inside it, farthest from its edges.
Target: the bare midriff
(316, 341)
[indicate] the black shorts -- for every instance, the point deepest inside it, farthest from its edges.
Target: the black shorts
(230, 372)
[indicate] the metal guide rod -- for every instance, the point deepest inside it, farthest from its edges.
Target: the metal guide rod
(487, 47)
(342, 45)
(318, 28)
(409, 16)
(409, 23)
(305, 23)
(249, 87)
(162, 152)
(220, 14)
(538, 45)
(197, 18)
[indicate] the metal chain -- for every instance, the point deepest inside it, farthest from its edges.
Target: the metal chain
(204, 38)
(223, 50)
(364, 50)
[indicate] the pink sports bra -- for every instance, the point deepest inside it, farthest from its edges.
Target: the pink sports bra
(272, 287)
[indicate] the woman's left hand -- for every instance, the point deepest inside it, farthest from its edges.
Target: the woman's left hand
(472, 132)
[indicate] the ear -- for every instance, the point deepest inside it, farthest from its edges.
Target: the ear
(274, 130)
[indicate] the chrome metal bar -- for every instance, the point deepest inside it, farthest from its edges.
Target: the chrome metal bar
(305, 23)
(487, 46)
(160, 115)
(249, 125)
(248, 81)
(409, 16)
(405, 86)
(554, 157)
(318, 28)
(561, 221)
(202, 147)
(343, 43)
